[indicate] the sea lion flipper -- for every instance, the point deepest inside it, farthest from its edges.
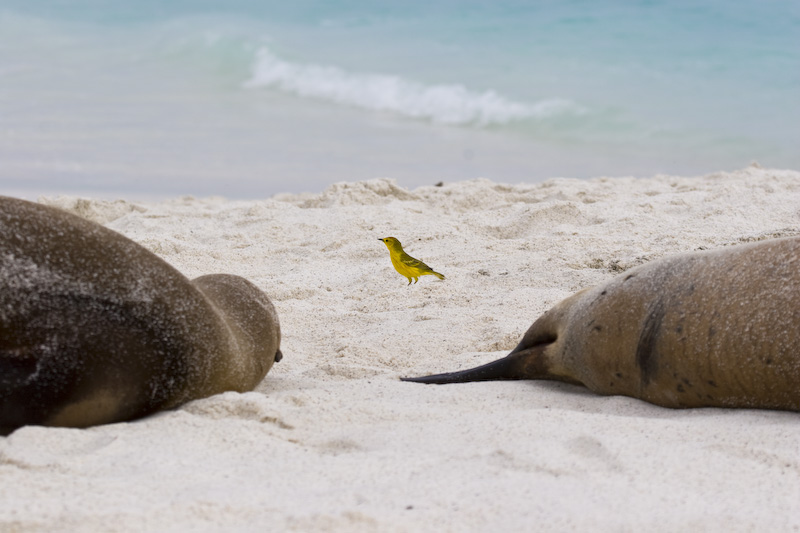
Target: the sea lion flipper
(492, 371)
(510, 367)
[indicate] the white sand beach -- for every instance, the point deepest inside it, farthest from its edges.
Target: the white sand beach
(332, 440)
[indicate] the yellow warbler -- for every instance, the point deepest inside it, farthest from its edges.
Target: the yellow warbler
(405, 264)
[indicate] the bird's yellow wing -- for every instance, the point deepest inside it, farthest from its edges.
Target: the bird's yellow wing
(412, 263)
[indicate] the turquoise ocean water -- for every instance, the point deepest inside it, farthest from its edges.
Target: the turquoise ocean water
(247, 98)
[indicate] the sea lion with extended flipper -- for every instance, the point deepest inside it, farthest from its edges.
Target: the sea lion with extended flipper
(708, 329)
(94, 328)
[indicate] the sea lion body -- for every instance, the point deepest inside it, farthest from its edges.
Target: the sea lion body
(718, 328)
(94, 328)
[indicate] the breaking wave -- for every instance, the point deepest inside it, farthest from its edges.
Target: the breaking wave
(444, 104)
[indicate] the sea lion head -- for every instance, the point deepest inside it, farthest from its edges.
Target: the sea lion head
(252, 320)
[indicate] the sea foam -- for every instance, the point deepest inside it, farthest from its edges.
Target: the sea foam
(444, 103)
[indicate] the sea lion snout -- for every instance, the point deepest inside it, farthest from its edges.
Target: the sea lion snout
(253, 321)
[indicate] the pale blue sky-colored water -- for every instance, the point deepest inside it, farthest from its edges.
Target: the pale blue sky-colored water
(249, 98)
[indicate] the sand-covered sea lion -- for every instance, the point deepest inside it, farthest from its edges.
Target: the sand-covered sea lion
(94, 328)
(718, 328)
